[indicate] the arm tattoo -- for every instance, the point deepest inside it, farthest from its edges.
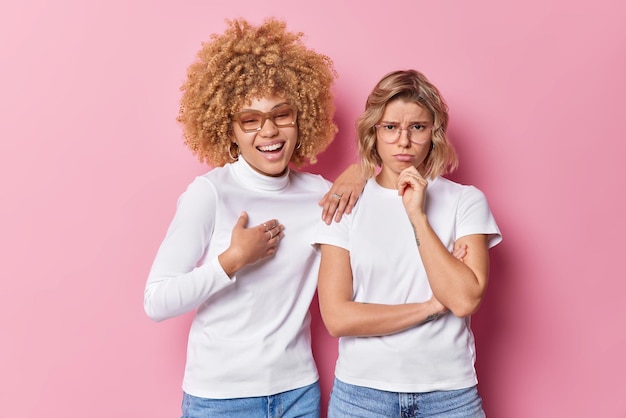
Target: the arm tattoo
(431, 317)
(417, 240)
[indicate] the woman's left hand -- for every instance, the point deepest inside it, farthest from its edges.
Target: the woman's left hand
(460, 251)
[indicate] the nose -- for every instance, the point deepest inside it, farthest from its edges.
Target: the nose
(404, 140)
(268, 129)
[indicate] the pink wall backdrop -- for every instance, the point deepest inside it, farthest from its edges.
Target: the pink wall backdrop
(92, 163)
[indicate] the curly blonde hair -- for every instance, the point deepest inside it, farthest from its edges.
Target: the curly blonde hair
(246, 63)
(410, 86)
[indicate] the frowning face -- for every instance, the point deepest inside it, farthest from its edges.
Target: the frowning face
(403, 138)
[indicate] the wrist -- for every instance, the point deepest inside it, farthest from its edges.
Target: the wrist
(436, 307)
(419, 220)
(229, 262)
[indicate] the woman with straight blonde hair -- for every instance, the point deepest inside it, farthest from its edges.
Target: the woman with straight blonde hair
(401, 275)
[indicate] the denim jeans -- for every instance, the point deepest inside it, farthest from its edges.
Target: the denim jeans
(302, 402)
(350, 401)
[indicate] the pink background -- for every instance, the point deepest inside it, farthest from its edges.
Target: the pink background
(93, 162)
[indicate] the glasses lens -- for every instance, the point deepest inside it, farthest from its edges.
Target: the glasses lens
(388, 132)
(250, 120)
(418, 133)
(284, 115)
(253, 120)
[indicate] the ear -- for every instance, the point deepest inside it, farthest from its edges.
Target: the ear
(234, 145)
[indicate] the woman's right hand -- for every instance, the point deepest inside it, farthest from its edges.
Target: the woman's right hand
(412, 187)
(250, 245)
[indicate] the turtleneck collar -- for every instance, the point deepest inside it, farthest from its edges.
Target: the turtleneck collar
(255, 180)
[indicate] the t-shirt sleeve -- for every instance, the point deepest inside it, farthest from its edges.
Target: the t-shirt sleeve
(475, 217)
(180, 278)
(334, 234)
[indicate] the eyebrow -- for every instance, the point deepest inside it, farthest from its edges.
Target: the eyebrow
(424, 122)
(257, 110)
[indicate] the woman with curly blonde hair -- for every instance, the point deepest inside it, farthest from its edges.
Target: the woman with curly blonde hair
(401, 275)
(238, 250)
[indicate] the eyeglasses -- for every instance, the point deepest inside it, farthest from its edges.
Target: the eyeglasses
(284, 116)
(418, 133)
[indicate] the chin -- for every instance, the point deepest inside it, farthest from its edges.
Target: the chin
(275, 170)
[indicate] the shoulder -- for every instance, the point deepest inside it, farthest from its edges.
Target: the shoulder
(443, 185)
(472, 211)
(215, 174)
(212, 180)
(204, 186)
(309, 181)
(373, 200)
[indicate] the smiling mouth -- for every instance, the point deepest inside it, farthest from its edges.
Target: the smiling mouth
(272, 148)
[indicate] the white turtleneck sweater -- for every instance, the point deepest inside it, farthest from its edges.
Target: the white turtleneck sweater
(250, 335)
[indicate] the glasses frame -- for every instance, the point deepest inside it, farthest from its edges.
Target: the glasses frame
(428, 126)
(265, 116)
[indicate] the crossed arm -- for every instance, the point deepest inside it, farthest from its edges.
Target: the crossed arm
(458, 285)
(345, 317)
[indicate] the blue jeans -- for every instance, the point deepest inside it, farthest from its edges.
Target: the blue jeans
(302, 402)
(350, 401)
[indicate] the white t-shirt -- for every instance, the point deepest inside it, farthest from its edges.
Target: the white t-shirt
(250, 335)
(387, 269)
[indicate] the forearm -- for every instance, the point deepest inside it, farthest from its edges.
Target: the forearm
(358, 319)
(452, 281)
(344, 317)
(168, 295)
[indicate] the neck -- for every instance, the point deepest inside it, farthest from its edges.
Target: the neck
(388, 178)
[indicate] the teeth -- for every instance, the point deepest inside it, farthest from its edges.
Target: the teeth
(273, 147)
